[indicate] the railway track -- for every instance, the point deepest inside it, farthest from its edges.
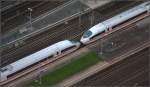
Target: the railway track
(121, 27)
(21, 9)
(22, 14)
(122, 72)
(48, 39)
(45, 39)
(37, 66)
(9, 16)
(5, 5)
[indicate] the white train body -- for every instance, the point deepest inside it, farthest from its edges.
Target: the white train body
(52, 50)
(118, 19)
(57, 48)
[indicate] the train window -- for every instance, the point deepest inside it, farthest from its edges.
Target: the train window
(73, 41)
(147, 4)
(87, 34)
(3, 69)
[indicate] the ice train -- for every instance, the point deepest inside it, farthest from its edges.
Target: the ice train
(53, 50)
(57, 48)
(118, 19)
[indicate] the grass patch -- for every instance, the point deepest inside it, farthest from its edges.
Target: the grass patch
(67, 70)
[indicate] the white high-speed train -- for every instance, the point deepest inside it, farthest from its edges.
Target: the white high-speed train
(57, 48)
(50, 51)
(110, 23)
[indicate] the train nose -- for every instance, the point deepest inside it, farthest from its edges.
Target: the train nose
(84, 40)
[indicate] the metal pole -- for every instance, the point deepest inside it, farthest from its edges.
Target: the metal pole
(80, 21)
(148, 7)
(92, 18)
(101, 47)
(40, 82)
(30, 10)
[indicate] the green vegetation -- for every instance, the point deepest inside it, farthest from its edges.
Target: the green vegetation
(67, 70)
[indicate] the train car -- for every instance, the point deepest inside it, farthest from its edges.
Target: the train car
(114, 21)
(53, 51)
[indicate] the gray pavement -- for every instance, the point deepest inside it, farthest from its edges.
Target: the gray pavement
(95, 3)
